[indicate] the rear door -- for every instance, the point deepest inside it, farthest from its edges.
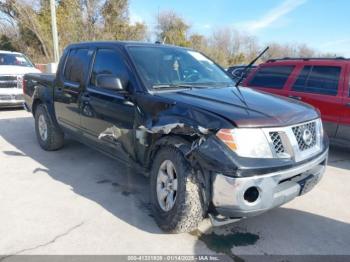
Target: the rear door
(271, 78)
(344, 123)
(321, 85)
(69, 86)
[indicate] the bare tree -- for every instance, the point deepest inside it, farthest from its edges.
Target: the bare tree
(27, 19)
(305, 51)
(198, 42)
(91, 18)
(25, 25)
(172, 28)
(77, 20)
(228, 46)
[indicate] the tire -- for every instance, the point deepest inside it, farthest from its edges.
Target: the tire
(188, 209)
(53, 140)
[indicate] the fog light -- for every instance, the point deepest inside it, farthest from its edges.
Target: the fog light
(251, 194)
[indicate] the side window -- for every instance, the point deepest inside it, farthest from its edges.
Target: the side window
(108, 62)
(318, 79)
(271, 76)
(77, 65)
(303, 76)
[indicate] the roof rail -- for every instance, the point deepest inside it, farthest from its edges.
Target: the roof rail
(307, 58)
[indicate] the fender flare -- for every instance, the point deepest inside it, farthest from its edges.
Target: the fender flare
(185, 146)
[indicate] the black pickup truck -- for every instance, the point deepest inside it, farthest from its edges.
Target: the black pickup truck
(210, 148)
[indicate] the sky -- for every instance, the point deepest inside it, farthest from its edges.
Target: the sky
(321, 24)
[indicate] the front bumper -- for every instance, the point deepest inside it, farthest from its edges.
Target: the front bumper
(13, 98)
(274, 189)
(16, 104)
(11, 103)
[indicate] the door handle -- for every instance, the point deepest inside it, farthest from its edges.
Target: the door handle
(295, 97)
(128, 103)
(72, 92)
(347, 104)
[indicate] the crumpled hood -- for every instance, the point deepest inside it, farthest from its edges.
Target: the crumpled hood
(17, 70)
(251, 108)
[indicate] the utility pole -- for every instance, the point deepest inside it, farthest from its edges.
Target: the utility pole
(54, 30)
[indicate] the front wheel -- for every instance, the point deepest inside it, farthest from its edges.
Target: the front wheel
(49, 136)
(175, 192)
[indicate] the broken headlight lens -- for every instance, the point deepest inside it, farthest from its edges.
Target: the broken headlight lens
(246, 142)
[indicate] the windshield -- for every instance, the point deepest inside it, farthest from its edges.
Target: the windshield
(164, 67)
(14, 60)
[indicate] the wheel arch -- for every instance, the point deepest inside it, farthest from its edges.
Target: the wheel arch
(36, 102)
(181, 142)
(48, 107)
(185, 143)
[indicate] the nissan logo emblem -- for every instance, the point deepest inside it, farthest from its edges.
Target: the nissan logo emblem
(307, 137)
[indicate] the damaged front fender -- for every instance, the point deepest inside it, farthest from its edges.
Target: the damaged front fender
(159, 118)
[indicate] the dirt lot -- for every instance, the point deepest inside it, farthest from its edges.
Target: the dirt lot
(78, 201)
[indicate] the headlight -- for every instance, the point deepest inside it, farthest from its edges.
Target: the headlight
(246, 142)
(20, 82)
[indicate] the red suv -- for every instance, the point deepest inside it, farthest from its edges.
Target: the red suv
(323, 83)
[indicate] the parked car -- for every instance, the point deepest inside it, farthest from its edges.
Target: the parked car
(174, 115)
(321, 82)
(13, 66)
(237, 71)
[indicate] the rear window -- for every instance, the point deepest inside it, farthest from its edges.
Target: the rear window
(318, 79)
(77, 65)
(271, 76)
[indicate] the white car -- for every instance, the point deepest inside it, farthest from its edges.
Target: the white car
(13, 66)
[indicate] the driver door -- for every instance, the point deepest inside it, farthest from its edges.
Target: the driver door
(108, 115)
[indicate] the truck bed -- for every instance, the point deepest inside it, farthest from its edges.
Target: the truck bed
(46, 79)
(34, 83)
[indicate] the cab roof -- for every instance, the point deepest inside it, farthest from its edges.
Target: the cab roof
(121, 44)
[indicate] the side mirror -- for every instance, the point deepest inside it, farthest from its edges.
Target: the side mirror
(110, 82)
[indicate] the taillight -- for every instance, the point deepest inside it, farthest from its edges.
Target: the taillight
(23, 85)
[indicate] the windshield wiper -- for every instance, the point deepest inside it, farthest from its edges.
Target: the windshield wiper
(210, 84)
(172, 86)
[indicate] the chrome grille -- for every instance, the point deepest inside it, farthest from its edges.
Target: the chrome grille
(8, 82)
(8, 78)
(299, 133)
(277, 142)
(5, 97)
(11, 97)
(288, 141)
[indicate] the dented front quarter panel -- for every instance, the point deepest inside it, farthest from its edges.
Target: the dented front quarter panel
(157, 117)
(158, 112)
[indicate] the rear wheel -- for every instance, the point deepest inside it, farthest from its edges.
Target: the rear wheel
(49, 136)
(175, 193)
